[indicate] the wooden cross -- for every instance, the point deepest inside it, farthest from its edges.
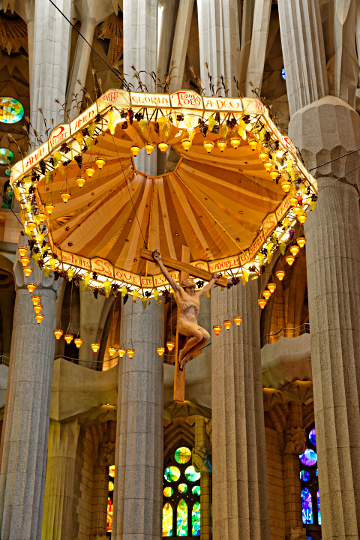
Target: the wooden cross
(185, 270)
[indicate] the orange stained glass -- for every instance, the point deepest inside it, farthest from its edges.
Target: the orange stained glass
(112, 471)
(109, 515)
(167, 520)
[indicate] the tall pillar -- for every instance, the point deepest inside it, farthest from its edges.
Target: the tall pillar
(50, 62)
(91, 326)
(322, 131)
(202, 448)
(27, 410)
(240, 489)
(180, 43)
(218, 42)
(304, 52)
(59, 485)
(295, 438)
(166, 34)
(139, 430)
(140, 50)
(262, 12)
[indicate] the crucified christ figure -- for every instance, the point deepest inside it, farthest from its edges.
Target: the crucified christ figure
(188, 303)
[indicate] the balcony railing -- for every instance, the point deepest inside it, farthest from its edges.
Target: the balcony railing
(286, 332)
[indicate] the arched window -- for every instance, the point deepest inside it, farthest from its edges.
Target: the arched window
(310, 495)
(181, 496)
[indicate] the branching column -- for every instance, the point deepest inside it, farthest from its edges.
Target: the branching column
(139, 430)
(27, 409)
(326, 129)
(59, 485)
(240, 488)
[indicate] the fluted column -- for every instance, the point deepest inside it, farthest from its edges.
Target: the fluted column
(180, 43)
(303, 51)
(139, 431)
(218, 42)
(202, 445)
(59, 485)
(27, 409)
(240, 489)
(50, 62)
(324, 130)
(140, 50)
(259, 40)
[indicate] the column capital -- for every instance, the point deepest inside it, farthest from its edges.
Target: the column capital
(295, 439)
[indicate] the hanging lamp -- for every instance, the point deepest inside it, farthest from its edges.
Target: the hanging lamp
(130, 353)
(121, 352)
(235, 142)
(135, 150)
(160, 351)
(209, 146)
(280, 274)
(186, 144)
(31, 287)
(90, 171)
(37, 308)
(237, 320)
(100, 162)
(227, 324)
(266, 294)
(301, 241)
(65, 195)
(24, 260)
(36, 300)
(111, 351)
(271, 287)
(217, 329)
(170, 345)
(39, 317)
(27, 270)
(95, 347)
(80, 181)
(221, 144)
(262, 302)
(290, 259)
(78, 342)
(22, 250)
(163, 147)
(149, 147)
(49, 208)
(294, 249)
(58, 333)
(68, 338)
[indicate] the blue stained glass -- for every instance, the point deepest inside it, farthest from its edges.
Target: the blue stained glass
(309, 538)
(312, 436)
(283, 74)
(308, 458)
(306, 504)
(317, 472)
(304, 476)
(11, 110)
(7, 171)
(318, 507)
(182, 519)
(196, 519)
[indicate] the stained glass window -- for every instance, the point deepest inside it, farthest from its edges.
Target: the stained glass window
(109, 511)
(310, 496)
(304, 476)
(191, 474)
(306, 503)
(7, 171)
(195, 531)
(167, 520)
(6, 156)
(182, 518)
(182, 455)
(308, 458)
(181, 504)
(7, 195)
(171, 474)
(11, 110)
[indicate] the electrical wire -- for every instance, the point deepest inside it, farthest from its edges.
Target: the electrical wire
(92, 48)
(335, 159)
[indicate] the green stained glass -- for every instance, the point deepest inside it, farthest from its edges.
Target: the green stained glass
(191, 474)
(196, 490)
(6, 156)
(168, 491)
(195, 517)
(182, 455)
(167, 520)
(171, 474)
(182, 488)
(11, 110)
(182, 519)
(7, 171)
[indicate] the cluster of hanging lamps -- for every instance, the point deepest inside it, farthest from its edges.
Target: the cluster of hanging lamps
(228, 324)
(266, 294)
(37, 308)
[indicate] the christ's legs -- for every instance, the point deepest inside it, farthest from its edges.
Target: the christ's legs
(197, 338)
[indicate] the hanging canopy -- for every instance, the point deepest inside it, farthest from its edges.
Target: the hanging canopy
(223, 205)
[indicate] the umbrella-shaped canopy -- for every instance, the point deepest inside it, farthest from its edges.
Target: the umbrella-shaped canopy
(223, 205)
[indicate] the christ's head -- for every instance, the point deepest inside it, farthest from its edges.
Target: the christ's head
(189, 286)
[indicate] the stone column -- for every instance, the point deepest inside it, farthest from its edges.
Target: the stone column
(323, 130)
(246, 33)
(27, 410)
(295, 439)
(140, 50)
(50, 62)
(304, 52)
(262, 12)
(218, 42)
(240, 489)
(202, 447)
(180, 43)
(166, 34)
(59, 485)
(139, 430)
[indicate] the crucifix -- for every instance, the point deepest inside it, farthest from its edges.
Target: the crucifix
(190, 337)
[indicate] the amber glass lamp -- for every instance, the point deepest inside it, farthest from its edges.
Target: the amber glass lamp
(80, 181)
(221, 144)
(149, 147)
(90, 171)
(39, 317)
(160, 351)
(27, 270)
(290, 259)
(31, 287)
(237, 320)
(58, 333)
(121, 352)
(130, 353)
(280, 274)
(271, 287)
(266, 294)
(22, 250)
(227, 324)
(112, 351)
(135, 150)
(36, 300)
(65, 195)
(78, 342)
(301, 241)
(186, 144)
(49, 208)
(95, 347)
(235, 142)
(262, 302)
(294, 249)
(209, 146)
(170, 345)
(100, 162)
(163, 147)
(68, 338)
(217, 329)
(25, 259)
